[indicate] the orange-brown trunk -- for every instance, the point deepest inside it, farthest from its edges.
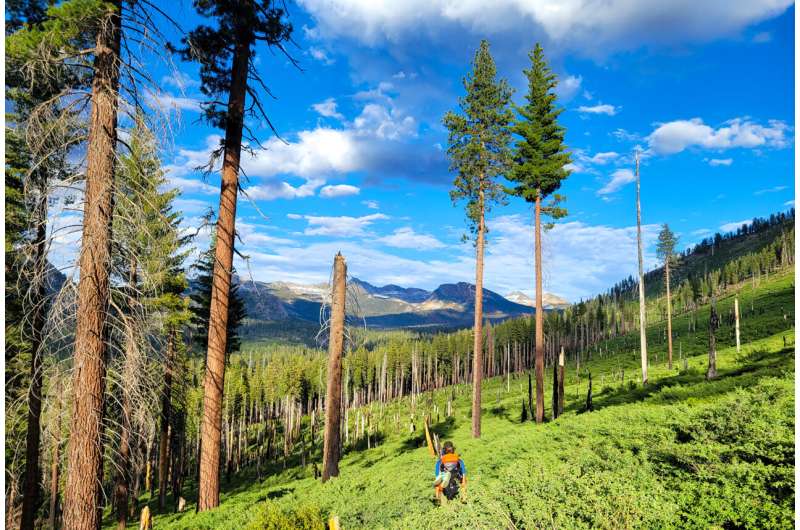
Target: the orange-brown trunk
(84, 454)
(477, 348)
(539, 358)
(208, 496)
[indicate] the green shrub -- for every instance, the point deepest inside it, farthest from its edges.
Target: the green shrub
(271, 517)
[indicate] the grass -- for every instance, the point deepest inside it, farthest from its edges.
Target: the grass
(680, 452)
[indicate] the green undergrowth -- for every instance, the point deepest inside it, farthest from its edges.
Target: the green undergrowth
(679, 452)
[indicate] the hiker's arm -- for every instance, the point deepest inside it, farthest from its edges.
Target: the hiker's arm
(438, 463)
(463, 472)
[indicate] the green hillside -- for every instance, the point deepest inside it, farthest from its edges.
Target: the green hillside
(681, 452)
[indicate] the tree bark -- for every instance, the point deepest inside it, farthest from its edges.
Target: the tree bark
(84, 461)
(331, 450)
(561, 382)
(166, 413)
(669, 317)
(539, 359)
(221, 285)
(736, 315)
(642, 306)
(477, 347)
(54, 466)
(32, 498)
(121, 488)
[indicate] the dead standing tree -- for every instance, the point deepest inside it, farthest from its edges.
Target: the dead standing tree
(713, 324)
(642, 307)
(333, 396)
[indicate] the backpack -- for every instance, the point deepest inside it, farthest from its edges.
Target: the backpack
(454, 468)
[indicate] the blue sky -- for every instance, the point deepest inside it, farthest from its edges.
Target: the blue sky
(704, 89)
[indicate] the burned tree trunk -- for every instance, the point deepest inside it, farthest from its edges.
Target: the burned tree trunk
(333, 398)
(589, 406)
(221, 286)
(669, 318)
(84, 462)
(166, 413)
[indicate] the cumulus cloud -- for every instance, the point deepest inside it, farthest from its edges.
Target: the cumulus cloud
(338, 190)
(320, 55)
(372, 205)
(619, 178)
(720, 162)
(609, 110)
(568, 87)
(342, 226)
(675, 136)
(327, 108)
(406, 237)
(576, 25)
(272, 190)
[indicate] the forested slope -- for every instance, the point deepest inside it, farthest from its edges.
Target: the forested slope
(678, 452)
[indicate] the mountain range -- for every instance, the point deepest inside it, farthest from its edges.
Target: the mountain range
(388, 306)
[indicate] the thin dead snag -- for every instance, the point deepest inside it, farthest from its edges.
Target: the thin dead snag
(85, 447)
(713, 324)
(642, 306)
(221, 286)
(561, 382)
(331, 451)
(736, 316)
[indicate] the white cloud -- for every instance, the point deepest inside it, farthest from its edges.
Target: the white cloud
(625, 136)
(180, 80)
(730, 227)
(372, 205)
(720, 162)
(327, 108)
(191, 205)
(320, 55)
(702, 232)
(578, 25)
(406, 237)
(675, 136)
(568, 87)
(774, 189)
(342, 226)
(166, 101)
(189, 185)
(603, 158)
(339, 190)
(384, 123)
(283, 190)
(601, 108)
(789, 203)
(619, 178)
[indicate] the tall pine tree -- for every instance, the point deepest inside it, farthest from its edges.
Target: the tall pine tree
(540, 157)
(227, 70)
(665, 250)
(479, 154)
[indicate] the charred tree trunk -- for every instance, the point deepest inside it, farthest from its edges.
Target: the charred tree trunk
(84, 461)
(220, 289)
(477, 355)
(539, 359)
(333, 396)
(166, 413)
(31, 500)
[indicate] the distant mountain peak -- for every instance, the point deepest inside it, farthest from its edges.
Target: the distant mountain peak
(549, 300)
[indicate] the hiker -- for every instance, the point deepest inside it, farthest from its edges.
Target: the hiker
(450, 473)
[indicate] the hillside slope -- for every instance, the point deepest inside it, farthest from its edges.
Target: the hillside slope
(681, 452)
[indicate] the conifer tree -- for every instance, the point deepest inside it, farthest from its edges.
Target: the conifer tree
(149, 251)
(540, 157)
(665, 250)
(226, 56)
(479, 154)
(201, 304)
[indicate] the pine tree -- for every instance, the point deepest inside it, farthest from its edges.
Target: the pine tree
(479, 153)
(540, 157)
(201, 304)
(149, 251)
(665, 250)
(225, 54)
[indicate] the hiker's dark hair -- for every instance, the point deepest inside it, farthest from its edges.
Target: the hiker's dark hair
(448, 447)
